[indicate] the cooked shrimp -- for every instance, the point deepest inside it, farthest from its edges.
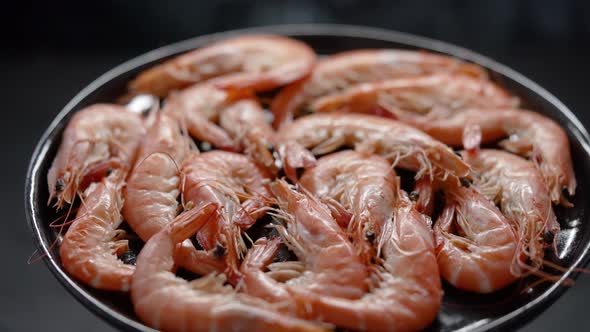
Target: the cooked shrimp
(439, 93)
(238, 186)
(406, 293)
(460, 110)
(90, 246)
(406, 146)
(169, 303)
(339, 71)
(519, 188)
(246, 124)
(329, 264)
(255, 62)
(97, 140)
(153, 187)
(359, 184)
(475, 243)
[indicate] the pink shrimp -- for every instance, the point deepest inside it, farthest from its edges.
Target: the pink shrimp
(328, 263)
(169, 303)
(238, 186)
(438, 94)
(406, 146)
(476, 246)
(519, 188)
(341, 70)
(255, 62)
(406, 292)
(456, 110)
(361, 185)
(98, 139)
(153, 187)
(89, 247)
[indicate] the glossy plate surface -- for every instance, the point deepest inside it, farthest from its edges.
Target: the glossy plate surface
(461, 311)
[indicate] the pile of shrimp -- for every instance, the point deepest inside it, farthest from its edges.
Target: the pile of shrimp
(264, 189)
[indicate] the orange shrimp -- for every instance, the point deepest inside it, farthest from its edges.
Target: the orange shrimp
(406, 146)
(328, 263)
(97, 140)
(153, 188)
(438, 94)
(518, 186)
(456, 110)
(238, 186)
(475, 243)
(361, 185)
(89, 247)
(169, 303)
(255, 62)
(341, 70)
(406, 291)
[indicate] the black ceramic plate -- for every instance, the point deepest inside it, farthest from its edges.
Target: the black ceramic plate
(461, 311)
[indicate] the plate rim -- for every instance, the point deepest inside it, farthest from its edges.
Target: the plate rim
(530, 310)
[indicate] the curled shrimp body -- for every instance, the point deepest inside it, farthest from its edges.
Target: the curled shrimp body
(406, 291)
(153, 187)
(406, 146)
(360, 185)
(476, 245)
(438, 93)
(238, 186)
(89, 248)
(255, 62)
(328, 264)
(169, 303)
(459, 110)
(518, 186)
(98, 139)
(339, 71)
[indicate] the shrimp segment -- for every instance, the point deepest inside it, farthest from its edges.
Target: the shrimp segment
(519, 188)
(329, 261)
(339, 71)
(97, 138)
(406, 146)
(475, 243)
(361, 185)
(255, 62)
(166, 302)
(238, 186)
(89, 247)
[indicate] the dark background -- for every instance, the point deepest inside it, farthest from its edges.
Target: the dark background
(50, 51)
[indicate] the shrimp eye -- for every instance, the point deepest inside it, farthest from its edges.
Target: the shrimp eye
(219, 251)
(458, 155)
(370, 235)
(60, 185)
(548, 236)
(465, 182)
(109, 171)
(414, 196)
